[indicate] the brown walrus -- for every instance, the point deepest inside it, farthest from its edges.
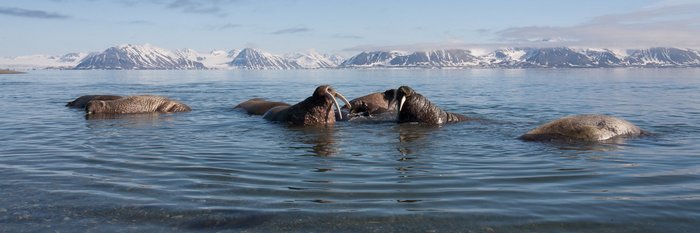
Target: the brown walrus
(136, 104)
(413, 107)
(258, 106)
(372, 104)
(80, 102)
(314, 110)
(583, 128)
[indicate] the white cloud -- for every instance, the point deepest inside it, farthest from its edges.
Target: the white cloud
(665, 25)
(672, 23)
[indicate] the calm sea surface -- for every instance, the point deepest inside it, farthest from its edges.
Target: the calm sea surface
(216, 168)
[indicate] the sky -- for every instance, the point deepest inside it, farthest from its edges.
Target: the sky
(57, 27)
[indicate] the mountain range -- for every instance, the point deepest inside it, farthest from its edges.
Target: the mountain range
(558, 57)
(140, 57)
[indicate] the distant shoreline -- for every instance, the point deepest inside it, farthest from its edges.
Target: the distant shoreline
(10, 72)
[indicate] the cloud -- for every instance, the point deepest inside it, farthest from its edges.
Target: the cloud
(198, 7)
(666, 25)
(483, 31)
(291, 30)
(346, 36)
(207, 7)
(138, 22)
(31, 13)
(229, 26)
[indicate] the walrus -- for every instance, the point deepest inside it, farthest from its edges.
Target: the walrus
(314, 110)
(584, 128)
(372, 104)
(80, 102)
(414, 107)
(258, 106)
(136, 104)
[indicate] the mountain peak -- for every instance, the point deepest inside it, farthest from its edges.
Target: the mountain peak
(138, 57)
(314, 60)
(255, 59)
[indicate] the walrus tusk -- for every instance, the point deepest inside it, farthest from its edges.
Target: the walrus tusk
(347, 103)
(403, 99)
(337, 106)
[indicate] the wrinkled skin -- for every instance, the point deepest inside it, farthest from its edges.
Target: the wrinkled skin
(258, 106)
(413, 107)
(372, 104)
(314, 110)
(136, 104)
(80, 102)
(583, 128)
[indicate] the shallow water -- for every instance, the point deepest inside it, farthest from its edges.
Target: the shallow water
(217, 168)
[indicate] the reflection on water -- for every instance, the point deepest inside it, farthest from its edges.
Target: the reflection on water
(414, 137)
(318, 140)
(611, 144)
(136, 120)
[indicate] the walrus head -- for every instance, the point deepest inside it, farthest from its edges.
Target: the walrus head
(94, 106)
(374, 103)
(402, 94)
(328, 93)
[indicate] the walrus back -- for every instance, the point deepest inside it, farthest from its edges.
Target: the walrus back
(258, 106)
(82, 101)
(173, 106)
(420, 109)
(138, 104)
(583, 128)
(278, 113)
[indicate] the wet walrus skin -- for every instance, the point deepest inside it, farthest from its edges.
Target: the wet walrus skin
(136, 104)
(414, 107)
(584, 128)
(372, 104)
(314, 110)
(258, 106)
(80, 102)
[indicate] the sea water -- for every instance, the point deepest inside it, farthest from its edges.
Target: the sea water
(217, 168)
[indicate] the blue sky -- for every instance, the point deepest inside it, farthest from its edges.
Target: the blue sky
(346, 27)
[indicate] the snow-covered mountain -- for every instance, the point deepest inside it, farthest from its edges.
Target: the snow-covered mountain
(255, 59)
(556, 57)
(425, 59)
(663, 57)
(315, 60)
(603, 57)
(437, 58)
(138, 57)
(67, 61)
(216, 59)
(151, 57)
(372, 59)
